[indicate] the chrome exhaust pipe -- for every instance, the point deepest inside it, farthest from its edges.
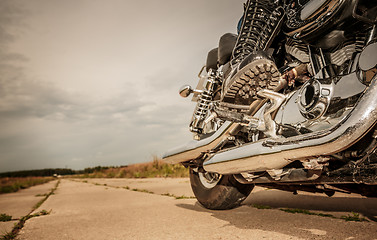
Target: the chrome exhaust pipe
(272, 153)
(195, 149)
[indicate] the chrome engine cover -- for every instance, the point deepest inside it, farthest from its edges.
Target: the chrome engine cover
(314, 99)
(329, 103)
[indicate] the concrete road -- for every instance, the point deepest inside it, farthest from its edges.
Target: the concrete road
(135, 209)
(20, 203)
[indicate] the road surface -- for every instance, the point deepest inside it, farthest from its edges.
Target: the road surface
(165, 209)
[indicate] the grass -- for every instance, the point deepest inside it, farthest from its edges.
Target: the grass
(16, 229)
(325, 215)
(41, 195)
(176, 197)
(297, 210)
(46, 196)
(8, 185)
(354, 217)
(307, 212)
(126, 187)
(157, 168)
(13, 234)
(261, 206)
(350, 217)
(5, 218)
(142, 190)
(183, 197)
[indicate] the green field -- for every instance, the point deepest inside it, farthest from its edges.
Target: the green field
(13, 184)
(142, 170)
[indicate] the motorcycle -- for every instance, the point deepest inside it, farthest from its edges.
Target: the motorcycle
(314, 131)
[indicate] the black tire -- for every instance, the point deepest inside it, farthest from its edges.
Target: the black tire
(228, 193)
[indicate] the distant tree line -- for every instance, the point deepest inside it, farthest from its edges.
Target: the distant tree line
(52, 171)
(98, 169)
(39, 172)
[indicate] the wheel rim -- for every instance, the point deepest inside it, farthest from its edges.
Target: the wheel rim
(209, 180)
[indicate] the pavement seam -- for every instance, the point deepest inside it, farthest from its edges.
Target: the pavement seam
(17, 228)
(354, 217)
(137, 190)
(351, 217)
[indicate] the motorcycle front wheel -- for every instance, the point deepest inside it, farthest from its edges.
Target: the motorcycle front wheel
(218, 192)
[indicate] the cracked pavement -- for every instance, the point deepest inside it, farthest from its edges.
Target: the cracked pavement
(139, 209)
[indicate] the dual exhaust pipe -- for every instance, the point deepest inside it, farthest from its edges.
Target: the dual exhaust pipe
(273, 153)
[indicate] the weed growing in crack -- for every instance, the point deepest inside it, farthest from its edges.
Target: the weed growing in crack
(183, 197)
(52, 192)
(307, 212)
(44, 212)
(354, 217)
(9, 236)
(142, 190)
(350, 217)
(261, 206)
(41, 195)
(325, 215)
(13, 234)
(167, 194)
(176, 197)
(5, 217)
(296, 210)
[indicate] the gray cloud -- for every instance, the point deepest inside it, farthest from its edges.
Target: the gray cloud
(58, 57)
(10, 16)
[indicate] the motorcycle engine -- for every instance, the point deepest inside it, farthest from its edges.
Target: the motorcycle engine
(311, 20)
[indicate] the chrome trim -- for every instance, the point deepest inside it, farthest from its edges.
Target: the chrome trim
(209, 180)
(348, 87)
(186, 90)
(368, 57)
(276, 100)
(194, 149)
(276, 153)
(310, 8)
(204, 101)
(320, 98)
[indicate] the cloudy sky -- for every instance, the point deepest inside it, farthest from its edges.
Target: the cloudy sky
(94, 82)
